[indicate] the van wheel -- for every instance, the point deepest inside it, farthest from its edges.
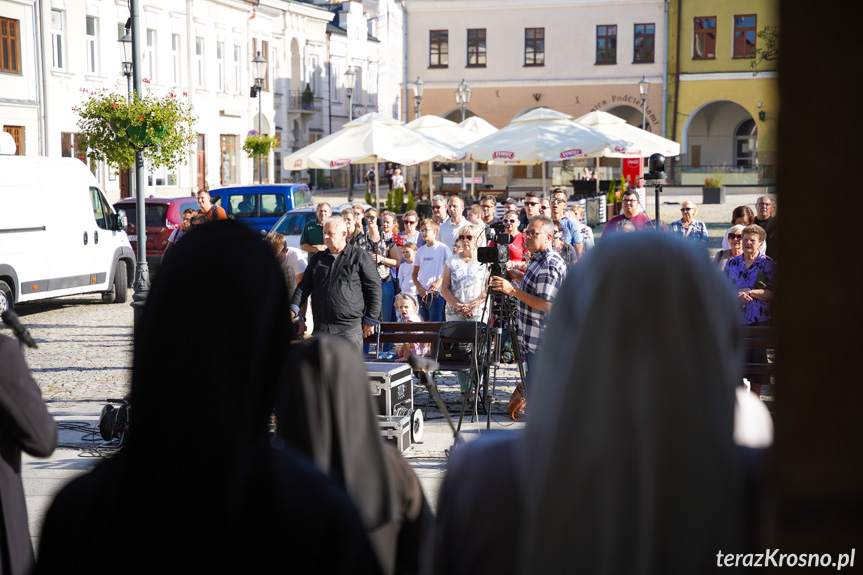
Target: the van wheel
(6, 298)
(121, 283)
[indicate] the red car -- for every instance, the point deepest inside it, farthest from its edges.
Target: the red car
(163, 216)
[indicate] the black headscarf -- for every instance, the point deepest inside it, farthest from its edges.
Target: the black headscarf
(325, 410)
(198, 486)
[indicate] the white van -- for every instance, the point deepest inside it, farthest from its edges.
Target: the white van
(59, 236)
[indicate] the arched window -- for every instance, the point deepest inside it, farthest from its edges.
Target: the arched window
(746, 145)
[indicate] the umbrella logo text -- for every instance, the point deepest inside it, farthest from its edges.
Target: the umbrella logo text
(620, 149)
(298, 163)
(570, 153)
(501, 154)
(337, 163)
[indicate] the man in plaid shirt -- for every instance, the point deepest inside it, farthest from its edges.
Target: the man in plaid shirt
(539, 285)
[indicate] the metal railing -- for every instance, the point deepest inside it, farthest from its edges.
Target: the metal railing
(304, 101)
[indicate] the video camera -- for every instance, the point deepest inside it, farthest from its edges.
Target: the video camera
(497, 254)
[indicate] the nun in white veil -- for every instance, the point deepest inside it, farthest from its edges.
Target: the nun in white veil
(628, 463)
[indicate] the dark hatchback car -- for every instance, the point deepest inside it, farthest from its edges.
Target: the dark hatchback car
(162, 216)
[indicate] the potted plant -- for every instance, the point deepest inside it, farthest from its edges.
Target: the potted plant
(113, 126)
(611, 205)
(259, 145)
(713, 192)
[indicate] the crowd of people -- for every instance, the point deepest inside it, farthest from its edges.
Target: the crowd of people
(329, 495)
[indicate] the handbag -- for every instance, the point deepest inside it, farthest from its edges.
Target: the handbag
(460, 352)
(517, 404)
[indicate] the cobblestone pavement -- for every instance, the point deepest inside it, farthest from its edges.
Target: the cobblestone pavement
(85, 347)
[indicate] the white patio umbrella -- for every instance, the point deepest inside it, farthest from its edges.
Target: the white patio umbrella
(444, 131)
(541, 135)
(641, 142)
(482, 129)
(370, 139)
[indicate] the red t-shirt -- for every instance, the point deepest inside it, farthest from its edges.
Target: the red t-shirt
(215, 213)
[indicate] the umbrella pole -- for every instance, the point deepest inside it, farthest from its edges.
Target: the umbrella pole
(473, 180)
(542, 167)
(431, 181)
(377, 189)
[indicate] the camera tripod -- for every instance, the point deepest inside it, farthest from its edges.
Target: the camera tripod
(501, 311)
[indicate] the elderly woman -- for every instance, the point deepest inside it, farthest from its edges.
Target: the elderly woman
(734, 238)
(753, 277)
(517, 251)
(464, 284)
(687, 226)
(743, 216)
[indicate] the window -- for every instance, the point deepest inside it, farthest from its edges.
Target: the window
(236, 72)
(228, 166)
(746, 145)
(606, 44)
(101, 209)
(175, 59)
(150, 56)
(313, 75)
(534, 46)
(9, 46)
(92, 38)
(704, 38)
(643, 43)
(272, 204)
(438, 48)
(17, 133)
(476, 48)
(220, 59)
(744, 36)
(199, 62)
(58, 45)
(162, 177)
(336, 81)
(71, 147)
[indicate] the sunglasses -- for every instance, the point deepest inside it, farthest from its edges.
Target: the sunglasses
(509, 221)
(685, 209)
(532, 234)
(411, 222)
(558, 201)
(735, 236)
(437, 207)
(531, 203)
(467, 237)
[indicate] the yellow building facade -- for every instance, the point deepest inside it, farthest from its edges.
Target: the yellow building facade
(724, 115)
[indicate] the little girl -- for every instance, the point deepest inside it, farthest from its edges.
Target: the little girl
(407, 307)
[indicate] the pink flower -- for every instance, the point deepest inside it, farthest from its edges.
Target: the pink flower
(173, 95)
(146, 81)
(74, 109)
(185, 93)
(115, 104)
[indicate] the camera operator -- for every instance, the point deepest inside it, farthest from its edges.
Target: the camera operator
(539, 285)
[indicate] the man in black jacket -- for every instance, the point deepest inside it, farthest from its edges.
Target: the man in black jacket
(343, 284)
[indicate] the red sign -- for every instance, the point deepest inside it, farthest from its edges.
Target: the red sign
(633, 169)
(570, 154)
(507, 155)
(337, 163)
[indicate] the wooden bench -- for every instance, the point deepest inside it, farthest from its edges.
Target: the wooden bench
(761, 338)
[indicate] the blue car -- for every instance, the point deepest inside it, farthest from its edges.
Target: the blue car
(260, 207)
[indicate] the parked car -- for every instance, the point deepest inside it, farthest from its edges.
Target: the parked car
(58, 233)
(162, 216)
(260, 206)
(291, 224)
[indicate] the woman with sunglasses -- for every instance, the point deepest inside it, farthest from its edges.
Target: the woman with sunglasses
(743, 216)
(464, 284)
(517, 251)
(687, 226)
(411, 233)
(734, 238)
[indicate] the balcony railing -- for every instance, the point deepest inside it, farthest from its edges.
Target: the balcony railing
(302, 101)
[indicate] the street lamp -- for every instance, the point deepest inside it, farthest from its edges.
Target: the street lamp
(643, 88)
(259, 66)
(462, 100)
(350, 80)
(418, 100)
(126, 47)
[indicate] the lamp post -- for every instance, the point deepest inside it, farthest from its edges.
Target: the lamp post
(462, 100)
(141, 285)
(418, 101)
(643, 87)
(126, 48)
(350, 80)
(259, 66)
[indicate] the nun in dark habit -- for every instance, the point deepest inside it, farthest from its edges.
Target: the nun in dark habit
(25, 425)
(325, 411)
(631, 461)
(198, 488)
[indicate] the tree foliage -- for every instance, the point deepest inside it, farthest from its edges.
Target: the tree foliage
(114, 126)
(767, 49)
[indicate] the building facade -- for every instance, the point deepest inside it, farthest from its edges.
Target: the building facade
(724, 115)
(574, 56)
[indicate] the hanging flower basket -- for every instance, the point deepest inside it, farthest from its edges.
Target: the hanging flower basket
(257, 146)
(114, 126)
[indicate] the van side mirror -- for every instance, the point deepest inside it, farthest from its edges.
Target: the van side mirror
(120, 221)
